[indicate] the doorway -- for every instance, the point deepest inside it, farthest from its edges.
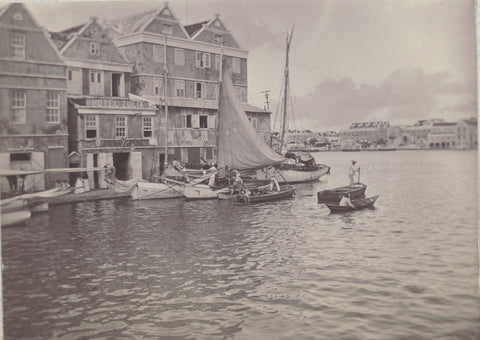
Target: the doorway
(121, 162)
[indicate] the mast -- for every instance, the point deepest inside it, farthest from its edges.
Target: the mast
(285, 93)
(165, 89)
(220, 75)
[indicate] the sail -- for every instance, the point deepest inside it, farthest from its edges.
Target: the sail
(239, 145)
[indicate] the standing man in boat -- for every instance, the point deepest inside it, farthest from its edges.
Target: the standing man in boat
(354, 168)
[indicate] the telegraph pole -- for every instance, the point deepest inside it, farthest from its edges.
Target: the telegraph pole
(267, 92)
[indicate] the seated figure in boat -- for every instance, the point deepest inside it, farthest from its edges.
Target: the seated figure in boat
(346, 201)
(237, 185)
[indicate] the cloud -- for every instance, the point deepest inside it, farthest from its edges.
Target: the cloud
(405, 95)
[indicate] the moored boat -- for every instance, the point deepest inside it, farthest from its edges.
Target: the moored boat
(15, 217)
(333, 196)
(286, 191)
(143, 190)
(358, 204)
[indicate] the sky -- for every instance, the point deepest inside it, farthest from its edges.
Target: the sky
(350, 60)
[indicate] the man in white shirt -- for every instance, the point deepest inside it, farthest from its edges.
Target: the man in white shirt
(354, 168)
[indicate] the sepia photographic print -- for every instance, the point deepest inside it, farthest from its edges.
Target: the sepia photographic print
(255, 169)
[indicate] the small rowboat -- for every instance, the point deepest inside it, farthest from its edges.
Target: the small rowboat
(15, 217)
(286, 191)
(357, 205)
(333, 196)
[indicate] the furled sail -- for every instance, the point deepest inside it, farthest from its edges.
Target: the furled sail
(239, 145)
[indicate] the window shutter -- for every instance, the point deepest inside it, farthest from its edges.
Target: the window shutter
(206, 61)
(198, 59)
(195, 121)
(211, 122)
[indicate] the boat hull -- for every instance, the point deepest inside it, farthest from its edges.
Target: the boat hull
(202, 191)
(286, 191)
(15, 217)
(295, 174)
(146, 190)
(333, 196)
(358, 205)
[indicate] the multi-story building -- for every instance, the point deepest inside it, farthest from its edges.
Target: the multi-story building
(370, 132)
(178, 67)
(466, 134)
(106, 125)
(442, 135)
(33, 99)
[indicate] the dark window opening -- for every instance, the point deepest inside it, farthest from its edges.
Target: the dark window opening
(188, 121)
(116, 81)
(203, 122)
(19, 157)
(91, 133)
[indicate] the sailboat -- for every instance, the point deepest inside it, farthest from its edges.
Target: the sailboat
(304, 167)
(239, 147)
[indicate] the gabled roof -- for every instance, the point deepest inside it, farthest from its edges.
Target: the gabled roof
(217, 24)
(71, 42)
(140, 22)
(32, 21)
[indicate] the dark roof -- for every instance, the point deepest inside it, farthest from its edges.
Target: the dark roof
(443, 124)
(60, 39)
(250, 108)
(73, 29)
(194, 28)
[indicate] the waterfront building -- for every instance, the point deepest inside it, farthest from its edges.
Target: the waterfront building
(466, 134)
(178, 67)
(107, 126)
(366, 132)
(33, 99)
(442, 135)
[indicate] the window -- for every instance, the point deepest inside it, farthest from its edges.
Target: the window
(199, 90)
(120, 127)
(19, 107)
(147, 127)
(70, 76)
(203, 122)
(179, 88)
(202, 60)
(167, 28)
(94, 48)
(217, 61)
(218, 39)
(236, 65)
(91, 127)
(157, 53)
(18, 45)
(158, 88)
(179, 57)
(253, 121)
(188, 121)
(53, 107)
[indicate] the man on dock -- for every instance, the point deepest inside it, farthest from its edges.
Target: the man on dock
(354, 168)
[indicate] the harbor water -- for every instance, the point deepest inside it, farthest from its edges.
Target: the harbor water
(289, 269)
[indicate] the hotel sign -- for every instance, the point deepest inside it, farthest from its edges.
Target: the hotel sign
(118, 104)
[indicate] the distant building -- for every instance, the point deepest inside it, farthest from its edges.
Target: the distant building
(370, 132)
(466, 134)
(106, 125)
(33, 99)
(442, 135)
